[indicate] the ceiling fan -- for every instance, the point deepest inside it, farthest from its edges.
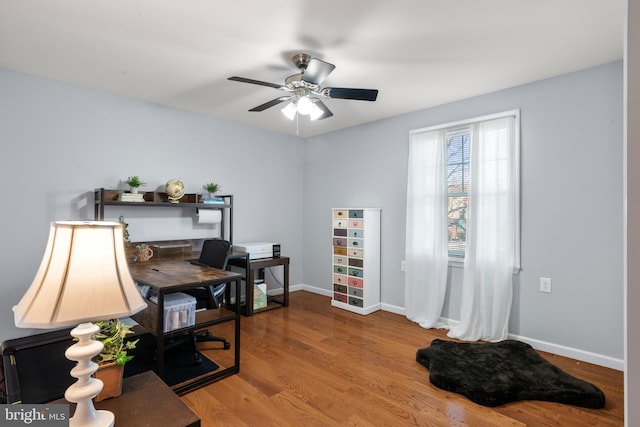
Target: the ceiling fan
(304, 91)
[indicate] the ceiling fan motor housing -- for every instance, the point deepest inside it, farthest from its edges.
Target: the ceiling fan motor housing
(301, 60)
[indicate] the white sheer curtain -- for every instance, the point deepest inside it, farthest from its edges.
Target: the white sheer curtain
(490, 235)
(426, 240)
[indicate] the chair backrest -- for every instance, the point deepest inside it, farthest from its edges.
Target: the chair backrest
(215, 253)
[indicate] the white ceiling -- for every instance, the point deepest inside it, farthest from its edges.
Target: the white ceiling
(417, 53)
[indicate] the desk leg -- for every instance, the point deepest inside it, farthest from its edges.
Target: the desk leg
(160, 356)
(160, 337)
(286, 284)
(249, 290)
(238, 309)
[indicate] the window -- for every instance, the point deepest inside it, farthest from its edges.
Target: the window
(458, 145)
(463, 204)
(497, 154)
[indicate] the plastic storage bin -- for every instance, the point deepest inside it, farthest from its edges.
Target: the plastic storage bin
(179, 311)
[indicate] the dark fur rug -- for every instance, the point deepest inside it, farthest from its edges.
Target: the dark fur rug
(493, 374)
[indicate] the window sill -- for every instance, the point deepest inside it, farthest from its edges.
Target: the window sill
(459, 263)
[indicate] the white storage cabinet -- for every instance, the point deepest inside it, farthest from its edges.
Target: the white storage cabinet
(356, 259)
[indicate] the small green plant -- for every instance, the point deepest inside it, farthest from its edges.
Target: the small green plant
(134, 181)
(211, 187)
(125, 229)
(112, 334)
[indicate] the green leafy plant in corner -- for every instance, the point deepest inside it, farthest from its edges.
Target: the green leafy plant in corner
(113, 335)
(134, 181)
(125, 229)
(211, 187)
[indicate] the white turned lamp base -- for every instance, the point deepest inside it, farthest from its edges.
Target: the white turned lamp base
(86, 388)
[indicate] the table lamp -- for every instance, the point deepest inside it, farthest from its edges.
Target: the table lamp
(83, 277)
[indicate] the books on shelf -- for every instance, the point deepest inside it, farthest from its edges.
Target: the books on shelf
(214, 200)
(131, 197)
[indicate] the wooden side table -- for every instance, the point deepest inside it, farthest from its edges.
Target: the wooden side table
(146, 401)
(250, 266)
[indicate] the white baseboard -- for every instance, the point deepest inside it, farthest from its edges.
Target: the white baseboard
(393, 309)
(560, 350)
(315, 290)
(573, 353)
(280, 291)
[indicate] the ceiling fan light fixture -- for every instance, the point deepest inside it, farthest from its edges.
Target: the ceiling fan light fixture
(289, 111)
(305, 106)
(316, 112)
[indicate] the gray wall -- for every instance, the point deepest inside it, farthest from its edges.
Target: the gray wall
(60, 141)
(572, 203)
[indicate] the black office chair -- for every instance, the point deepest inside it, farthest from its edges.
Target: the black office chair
(215, 253)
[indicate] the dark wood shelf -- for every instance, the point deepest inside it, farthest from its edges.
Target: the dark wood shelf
(156, 199)
(273, 302)
(170, 205)
(160, 199)
(148, 318)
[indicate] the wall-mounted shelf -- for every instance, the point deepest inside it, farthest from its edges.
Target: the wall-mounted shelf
(106, 197)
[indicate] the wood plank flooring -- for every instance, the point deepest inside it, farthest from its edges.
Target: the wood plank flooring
(315, 365)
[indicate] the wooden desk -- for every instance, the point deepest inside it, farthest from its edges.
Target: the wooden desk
(146, 401)
(250, 266)
(175, 275)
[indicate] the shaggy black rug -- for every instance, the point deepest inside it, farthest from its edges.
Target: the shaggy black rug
(493, 374)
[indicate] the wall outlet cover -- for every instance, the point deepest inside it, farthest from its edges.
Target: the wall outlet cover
(545, 285)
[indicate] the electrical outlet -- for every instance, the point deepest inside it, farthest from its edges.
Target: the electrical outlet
(403, 265)
(545, 285)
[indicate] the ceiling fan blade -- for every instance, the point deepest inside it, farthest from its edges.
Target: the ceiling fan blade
(348, 93)
(326, 113)
(316, 71)
(255, 82)
(270, 104)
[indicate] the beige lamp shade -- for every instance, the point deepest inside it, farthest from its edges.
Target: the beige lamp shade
(83, 277)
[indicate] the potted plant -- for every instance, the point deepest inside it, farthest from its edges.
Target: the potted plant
(134, 182)
(125, 230)
(113, 357)
(211, 188)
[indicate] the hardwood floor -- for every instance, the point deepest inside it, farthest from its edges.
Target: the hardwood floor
(315, 365)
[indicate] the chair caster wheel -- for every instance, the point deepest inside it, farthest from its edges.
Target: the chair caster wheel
(227, 346)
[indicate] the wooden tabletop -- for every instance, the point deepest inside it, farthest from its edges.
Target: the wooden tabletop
(146, 401)
(179, 273)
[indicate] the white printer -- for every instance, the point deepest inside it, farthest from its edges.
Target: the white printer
(258, 249)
